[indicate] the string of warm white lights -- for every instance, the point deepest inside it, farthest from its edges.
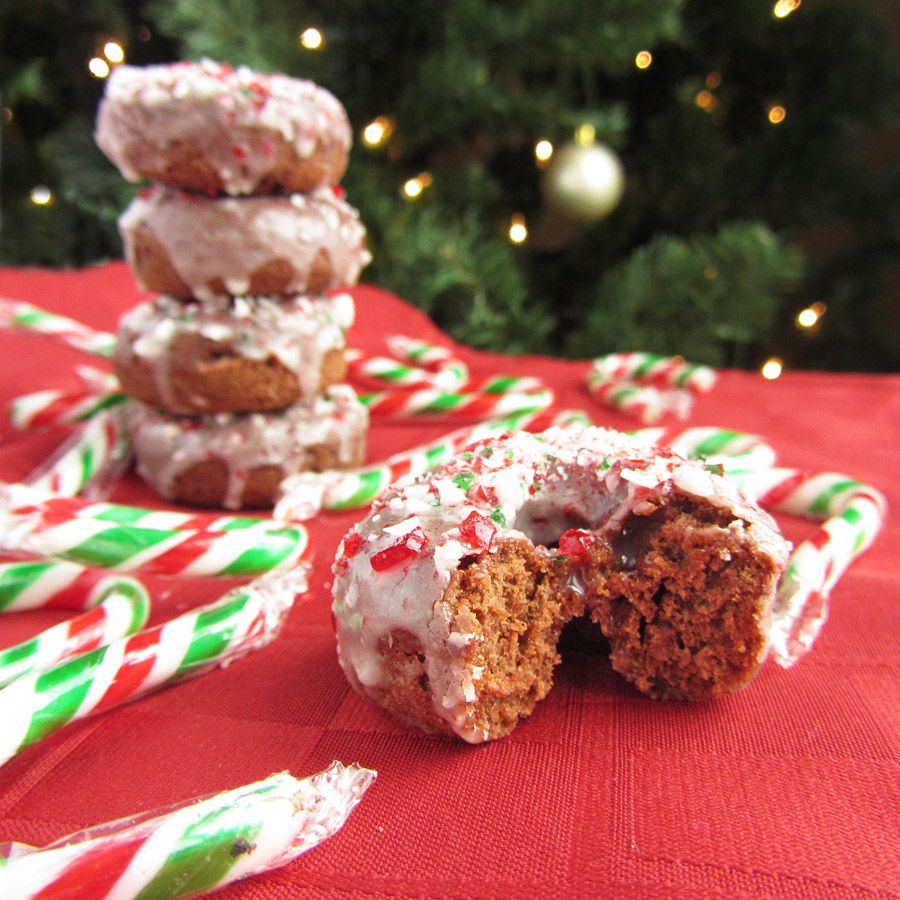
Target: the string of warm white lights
(377, 134)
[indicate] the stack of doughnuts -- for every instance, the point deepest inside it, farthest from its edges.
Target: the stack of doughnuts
(234, 371)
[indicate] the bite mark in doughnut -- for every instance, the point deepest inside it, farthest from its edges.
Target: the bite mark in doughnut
(451, 595)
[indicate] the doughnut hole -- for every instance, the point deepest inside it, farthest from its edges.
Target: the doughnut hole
(678, 598)
(516, 603)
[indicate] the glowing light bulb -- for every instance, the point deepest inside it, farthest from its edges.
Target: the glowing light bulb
(585, 134)
(518, 230)
(643, 59)
(543, 150)
(114, 52)
(413, 187)
(772, 368)
(713, 80)
(99, 68)
(776, 114)
(784, 8)
(312, 39)
(41, 195)
(706, 101)
(378, 131)
(809, 317)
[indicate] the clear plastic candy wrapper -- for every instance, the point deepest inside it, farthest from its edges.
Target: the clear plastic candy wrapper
(191, 848)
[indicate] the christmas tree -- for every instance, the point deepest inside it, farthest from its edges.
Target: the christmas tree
(710, 180)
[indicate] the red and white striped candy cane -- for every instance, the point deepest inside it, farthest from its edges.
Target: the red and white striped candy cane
(17, 315)
(853, 514)
(196, 846)
(21, 500)
(237, 553)
(245, 619)
(399, 404)
(89, 460)
(653, 369)
(733, 450)
(648, 386)
(422, 353)
(120, 613)
(644, 402)
(45, 408)
(398, 374)
(303, 496)
(57, 584)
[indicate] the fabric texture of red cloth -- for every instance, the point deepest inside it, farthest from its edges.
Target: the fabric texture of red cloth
(788, 788)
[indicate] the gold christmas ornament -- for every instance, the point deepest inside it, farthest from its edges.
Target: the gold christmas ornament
(584, 182)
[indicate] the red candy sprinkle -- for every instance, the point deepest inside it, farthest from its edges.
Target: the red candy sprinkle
(477, 531)
(576, 542)
(411, 545)
(352, 544)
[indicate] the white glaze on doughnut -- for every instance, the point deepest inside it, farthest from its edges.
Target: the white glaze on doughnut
(227, 239)
(235, 117)
(298, 331)
(165, 446)
(532, 487)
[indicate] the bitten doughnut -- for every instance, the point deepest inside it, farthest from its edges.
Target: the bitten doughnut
(188, 245)
(238, 461)
(232, 354)
(450, 596)
(207, 127)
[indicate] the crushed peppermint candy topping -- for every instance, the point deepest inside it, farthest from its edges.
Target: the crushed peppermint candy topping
(353, 544)
(477, 531)
(412, 544)
(576, 542)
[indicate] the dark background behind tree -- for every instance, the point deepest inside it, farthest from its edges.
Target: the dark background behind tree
(728, 226)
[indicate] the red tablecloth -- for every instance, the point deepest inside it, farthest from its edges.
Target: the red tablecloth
(788, 789)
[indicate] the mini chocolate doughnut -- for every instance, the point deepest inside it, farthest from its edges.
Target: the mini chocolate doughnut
(238, 461)
(232, 354)
(210, 128)
(187, 245)
(451, 594)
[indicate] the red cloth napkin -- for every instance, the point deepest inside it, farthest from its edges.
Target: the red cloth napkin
(789, 788)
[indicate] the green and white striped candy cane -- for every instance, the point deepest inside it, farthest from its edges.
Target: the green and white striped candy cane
(733, 450)
(57, 584)
(123, 611)
(17, 315)
(853, 514)
(20, 499)
(475, 405)
(89, 458)
(306, 494)
(245, 619)
(198, 846)
(241, 552)
(44, 408)
(451, 376)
